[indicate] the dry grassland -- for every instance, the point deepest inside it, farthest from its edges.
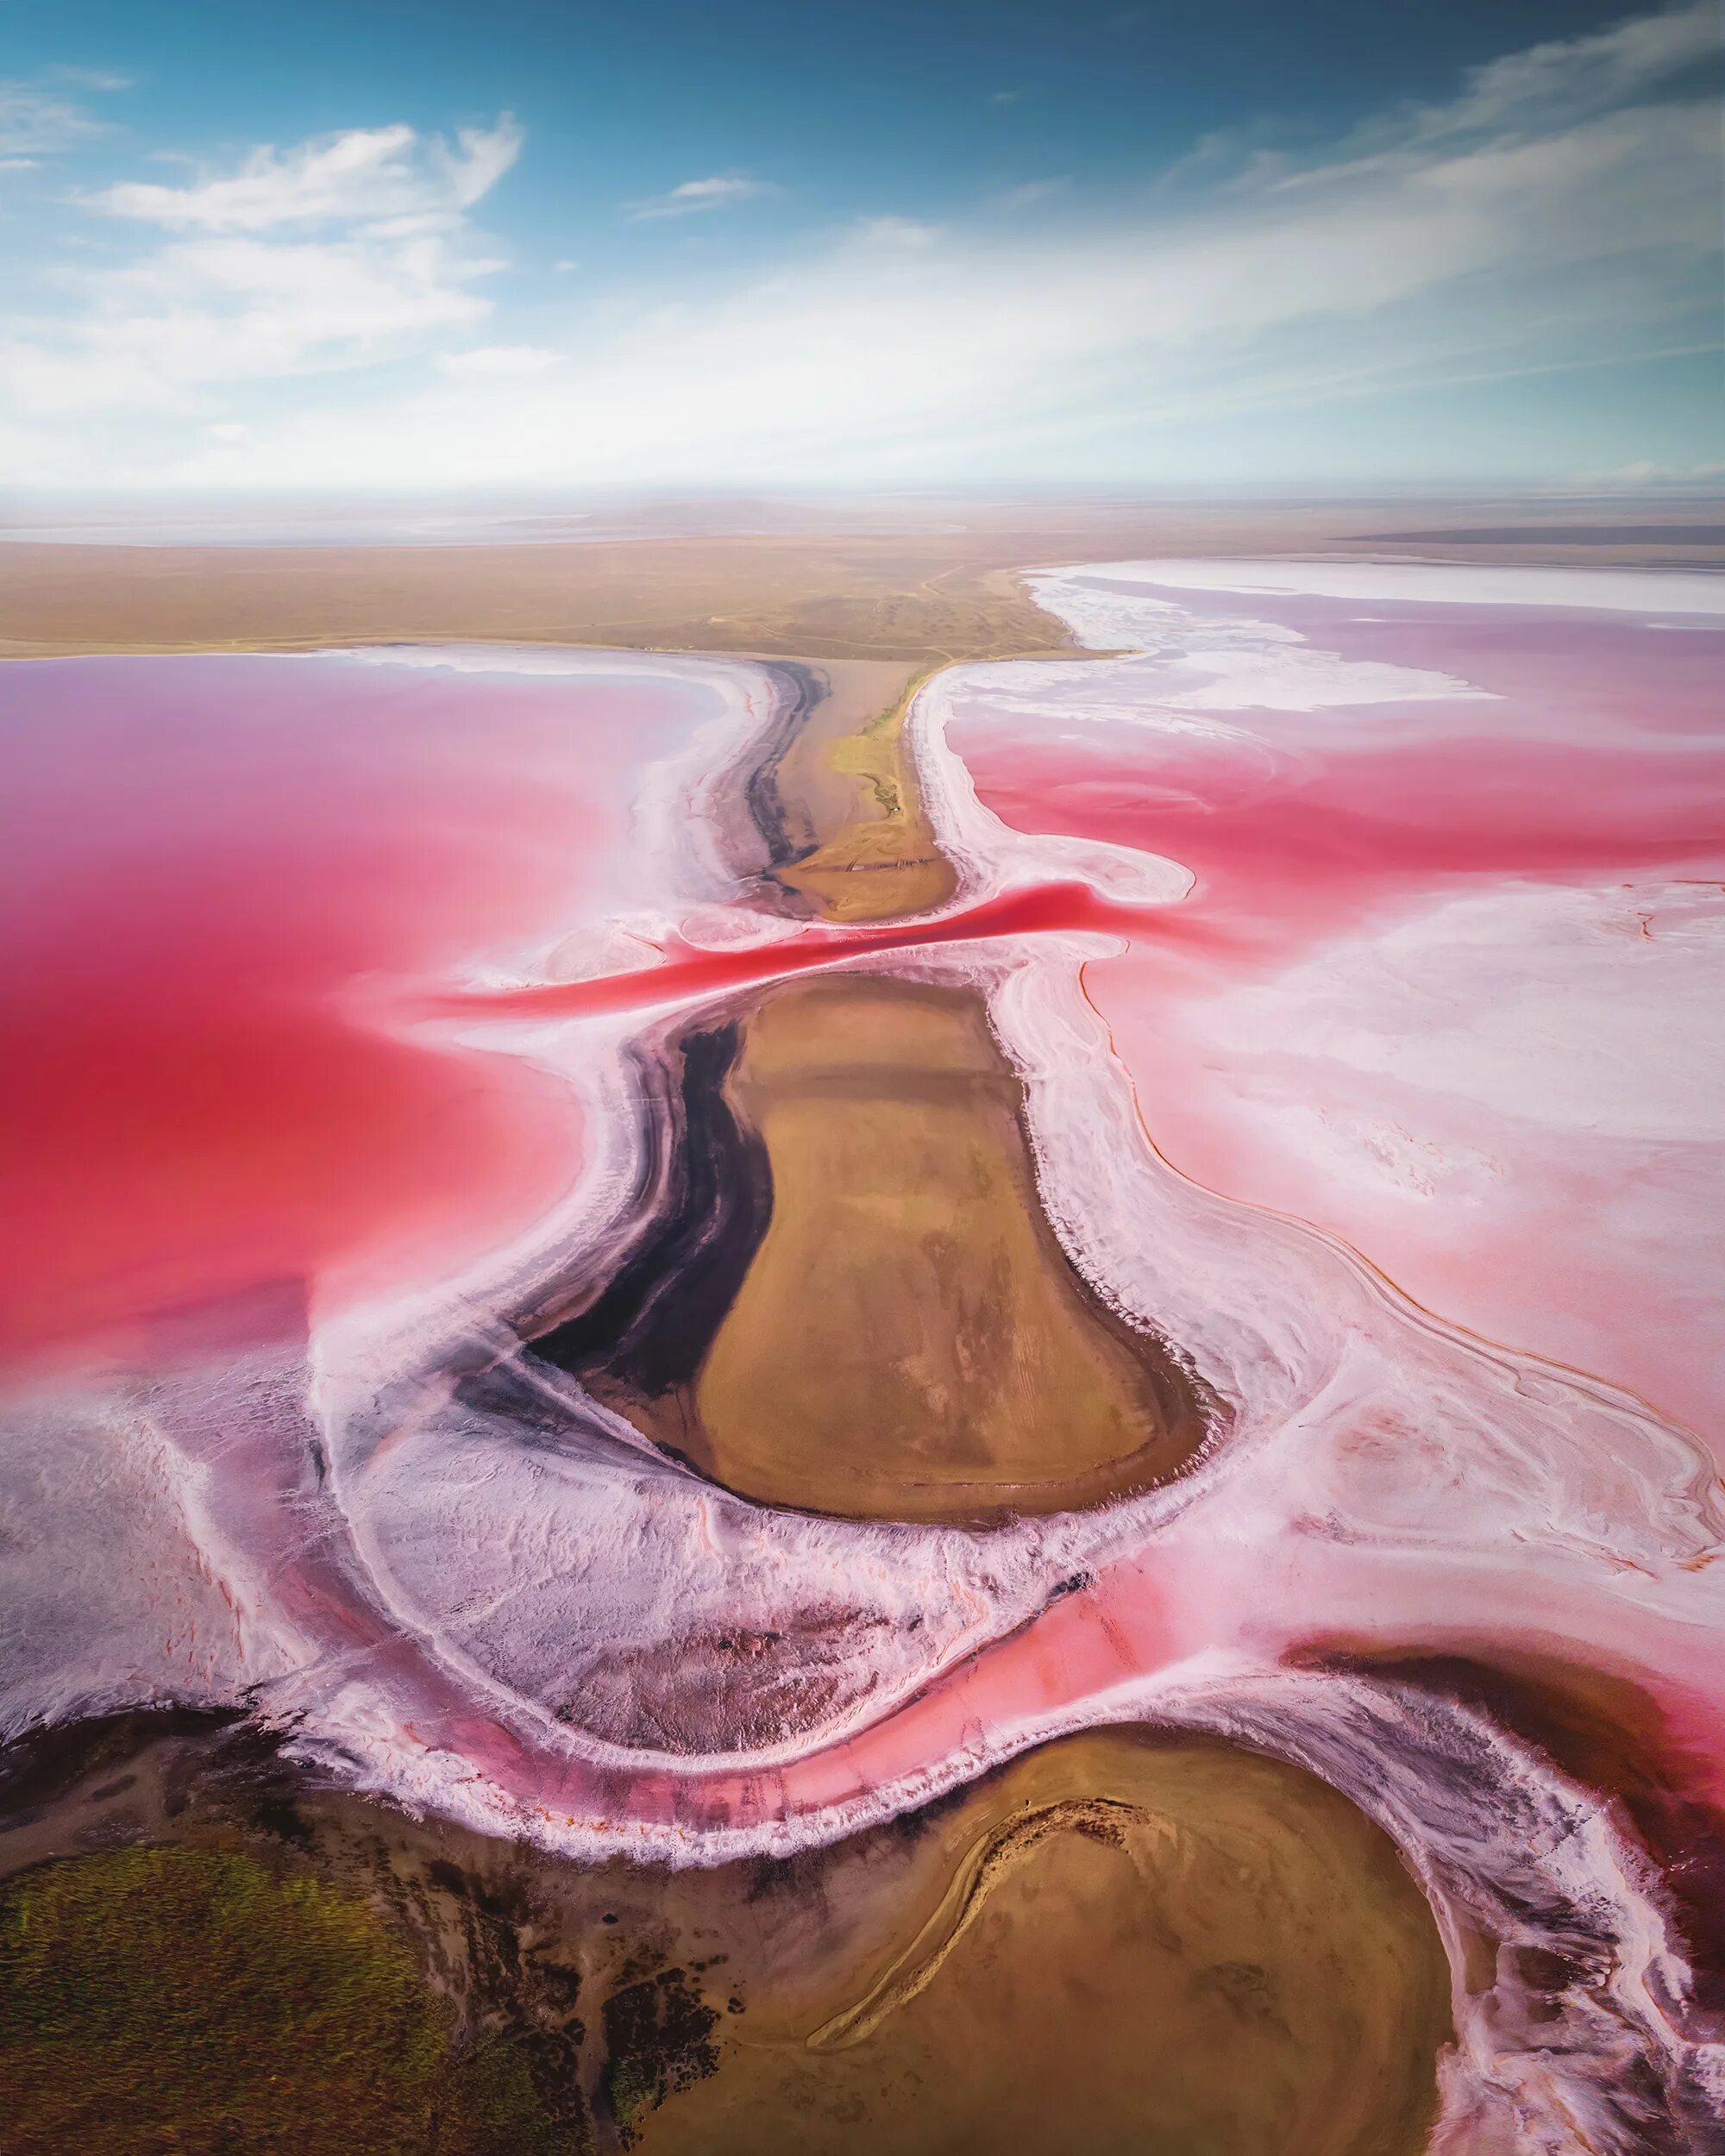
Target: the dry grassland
(944, 587)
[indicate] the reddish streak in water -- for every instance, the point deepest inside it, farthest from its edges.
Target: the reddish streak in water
(1286, 859)
(1597, 748)
(1596, 761)
(690, 972)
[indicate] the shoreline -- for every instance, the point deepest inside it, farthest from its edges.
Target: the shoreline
(924, 593)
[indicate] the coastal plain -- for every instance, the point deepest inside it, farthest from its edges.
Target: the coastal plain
(925, 581)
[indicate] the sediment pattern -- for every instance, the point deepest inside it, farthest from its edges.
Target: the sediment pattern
(687, 1529)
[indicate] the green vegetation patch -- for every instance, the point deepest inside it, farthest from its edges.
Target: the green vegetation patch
(178, 2000)
(656, 2034)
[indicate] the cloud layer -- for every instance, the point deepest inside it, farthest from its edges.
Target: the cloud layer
(388, 175)
(694, 196)
(1556, 214)
(315, 261)
(38, 120)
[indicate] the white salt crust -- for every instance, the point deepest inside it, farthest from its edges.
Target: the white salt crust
(426, 1597)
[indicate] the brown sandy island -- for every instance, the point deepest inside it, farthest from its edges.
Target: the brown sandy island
(911, 1341)
(1115, 1945)
(900, 1334)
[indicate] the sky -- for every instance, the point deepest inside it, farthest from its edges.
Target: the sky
(401, 245)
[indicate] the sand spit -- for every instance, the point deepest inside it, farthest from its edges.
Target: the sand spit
(850, 1303)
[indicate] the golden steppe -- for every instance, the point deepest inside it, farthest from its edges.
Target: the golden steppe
(928, 581)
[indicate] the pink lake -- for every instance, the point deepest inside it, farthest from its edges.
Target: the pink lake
(1449, 981)
(219, 875)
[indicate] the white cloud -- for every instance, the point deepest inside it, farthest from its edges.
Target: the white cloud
(694, 196)
(97, 78)
(894, 235)
(1539, 93)
(336, 253)
(1031, 192)
(1519, 230)
(1645, 472)
(1039, 349)
(1567, 78)
(495, 360)
(209, 311)
(389, 173)
(35, 122)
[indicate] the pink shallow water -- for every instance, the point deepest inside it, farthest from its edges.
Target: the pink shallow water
(214, 873)
(1418, 955)
(1441, 986)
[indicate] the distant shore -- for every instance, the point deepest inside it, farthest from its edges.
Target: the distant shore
(933, 593)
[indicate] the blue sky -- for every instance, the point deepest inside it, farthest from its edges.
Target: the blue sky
(388, 246)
